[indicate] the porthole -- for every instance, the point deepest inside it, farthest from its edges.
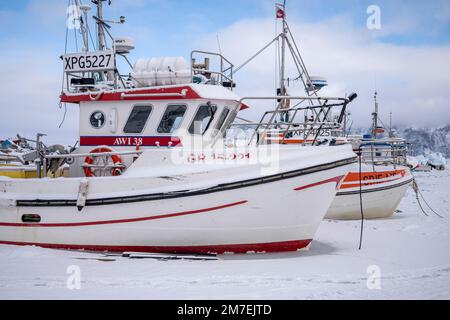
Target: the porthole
(98, 120)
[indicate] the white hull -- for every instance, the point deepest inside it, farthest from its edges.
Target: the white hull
(380, 198)
(202, 212)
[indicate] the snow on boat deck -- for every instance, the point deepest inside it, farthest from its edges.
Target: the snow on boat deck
(411, 250)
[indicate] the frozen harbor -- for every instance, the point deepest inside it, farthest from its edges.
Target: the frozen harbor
(406, 257)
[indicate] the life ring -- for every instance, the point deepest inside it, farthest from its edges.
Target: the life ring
(116, 159)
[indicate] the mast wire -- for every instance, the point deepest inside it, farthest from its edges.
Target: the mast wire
(62, 81)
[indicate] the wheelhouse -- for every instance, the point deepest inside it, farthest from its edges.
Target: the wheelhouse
(163, 103)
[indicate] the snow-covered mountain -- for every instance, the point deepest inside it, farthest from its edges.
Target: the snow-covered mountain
(423, 140)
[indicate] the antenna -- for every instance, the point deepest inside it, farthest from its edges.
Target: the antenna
(84, 24)
(391, 133)
(375, 117)
(218, 44)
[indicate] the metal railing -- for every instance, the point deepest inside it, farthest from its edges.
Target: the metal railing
(319, 107)
(225, 72)
(382, 151)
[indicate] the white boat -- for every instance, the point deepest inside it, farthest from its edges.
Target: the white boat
(196, 209)
(374, 190)
(152, 173)
(380, 192)
(384, 177)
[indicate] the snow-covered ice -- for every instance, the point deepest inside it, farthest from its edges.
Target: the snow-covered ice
(410, 251)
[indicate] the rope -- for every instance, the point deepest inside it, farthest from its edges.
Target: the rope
(361, 200)
(62, 81)
(429, 205)
(418, 195)
(416, 190)
(75, 33)
(64, 116)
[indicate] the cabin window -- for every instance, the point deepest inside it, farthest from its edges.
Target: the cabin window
(172, 119)
(138, 119)
(203, 119)
(222, 119)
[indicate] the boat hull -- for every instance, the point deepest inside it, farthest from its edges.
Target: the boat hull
(249, 216)
(381, 196)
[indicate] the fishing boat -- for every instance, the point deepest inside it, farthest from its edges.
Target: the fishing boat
(152, 172)
(375, 188)
(19, 158)
(372, 188)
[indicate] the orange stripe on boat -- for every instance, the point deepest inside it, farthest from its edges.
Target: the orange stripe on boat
(373, 176)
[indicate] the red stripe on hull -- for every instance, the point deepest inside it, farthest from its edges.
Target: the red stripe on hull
(95, 223)
(336, 180)
(128, 141)
(287, 246)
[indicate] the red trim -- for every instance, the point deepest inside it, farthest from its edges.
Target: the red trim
(117, 96)
(95, 223)
(130, 141)
(337, 180)
(244, 107)
(287, 246)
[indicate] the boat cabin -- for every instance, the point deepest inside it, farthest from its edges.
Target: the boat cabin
(161, 104)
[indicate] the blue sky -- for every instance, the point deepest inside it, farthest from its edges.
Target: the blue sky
(407, 56)
(173, 23)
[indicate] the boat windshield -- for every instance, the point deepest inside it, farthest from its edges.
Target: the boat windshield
(203, 119)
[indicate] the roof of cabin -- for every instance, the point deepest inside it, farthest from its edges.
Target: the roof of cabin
(172, 92)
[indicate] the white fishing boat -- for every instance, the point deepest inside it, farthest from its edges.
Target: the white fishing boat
(372, 191)
(374, 188)
(152, 172)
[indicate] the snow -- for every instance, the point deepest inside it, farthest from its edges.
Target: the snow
(411, 251)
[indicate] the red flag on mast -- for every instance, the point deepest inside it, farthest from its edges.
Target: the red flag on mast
(280, 12)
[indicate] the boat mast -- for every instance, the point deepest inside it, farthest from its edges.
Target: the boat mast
(391, 133)
(375, 117)
(283, 52)
(101, 32)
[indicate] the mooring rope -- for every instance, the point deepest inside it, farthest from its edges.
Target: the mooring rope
(416, 190)
(361, 200)
(420, 195)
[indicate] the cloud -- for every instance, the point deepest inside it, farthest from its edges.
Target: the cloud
(29, 97)
(411, 80)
